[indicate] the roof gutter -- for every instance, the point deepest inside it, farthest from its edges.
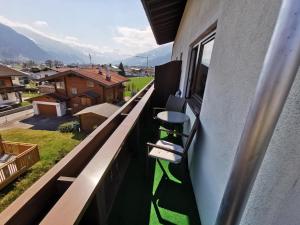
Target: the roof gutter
(276, 78)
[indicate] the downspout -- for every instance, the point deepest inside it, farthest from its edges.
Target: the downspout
(276, 78)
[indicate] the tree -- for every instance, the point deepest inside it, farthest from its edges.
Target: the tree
(49, 63)
(122, 71)
(58, 63)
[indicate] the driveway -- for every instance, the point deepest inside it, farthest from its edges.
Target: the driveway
(27, 120)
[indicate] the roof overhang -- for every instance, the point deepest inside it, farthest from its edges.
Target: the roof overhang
(164, 17)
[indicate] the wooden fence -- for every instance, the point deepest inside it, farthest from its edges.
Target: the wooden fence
(23, 156)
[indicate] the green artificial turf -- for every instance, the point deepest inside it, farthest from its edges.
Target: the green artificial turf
(53, 146)
(148, 197)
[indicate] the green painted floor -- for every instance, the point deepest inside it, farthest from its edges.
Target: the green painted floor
(173, 201)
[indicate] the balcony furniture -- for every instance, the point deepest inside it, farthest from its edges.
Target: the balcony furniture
(172, 117)
(174, 103)
(173, 153)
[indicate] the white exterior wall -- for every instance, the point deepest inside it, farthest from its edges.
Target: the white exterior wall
(243, 34)
(61, 108)
(12, 98)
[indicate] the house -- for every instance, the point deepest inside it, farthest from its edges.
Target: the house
(238, 66)
(223, 45)
(10, 93)
(91, 117)
(78, 88)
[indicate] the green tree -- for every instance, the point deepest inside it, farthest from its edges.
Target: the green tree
(122, 70)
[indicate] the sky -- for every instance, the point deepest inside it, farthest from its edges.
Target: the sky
(104, 25)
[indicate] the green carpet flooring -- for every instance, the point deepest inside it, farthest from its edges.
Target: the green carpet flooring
(147, 197)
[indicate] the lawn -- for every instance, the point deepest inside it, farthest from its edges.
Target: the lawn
(135, 84)
(53, 146)
(30, 94)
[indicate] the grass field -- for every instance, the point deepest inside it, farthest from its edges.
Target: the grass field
(53, 146)
(30, 94)
(135, 84)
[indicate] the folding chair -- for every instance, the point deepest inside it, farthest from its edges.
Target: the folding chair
(173, 153)
(173, 104)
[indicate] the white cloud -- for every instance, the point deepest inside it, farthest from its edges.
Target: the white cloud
(130, 41)
(69, 40)
(135, 40)
(40, 23)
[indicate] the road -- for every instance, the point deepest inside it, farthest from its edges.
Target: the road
(13, 120)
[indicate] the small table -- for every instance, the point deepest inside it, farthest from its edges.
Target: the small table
(173, 117)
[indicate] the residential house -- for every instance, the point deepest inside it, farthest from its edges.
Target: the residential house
(223, 46)
(10, 93)
(78, 88)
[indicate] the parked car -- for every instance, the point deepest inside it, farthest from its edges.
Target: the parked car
(5, 107)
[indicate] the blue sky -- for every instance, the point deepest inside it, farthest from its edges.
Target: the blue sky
(106, 25)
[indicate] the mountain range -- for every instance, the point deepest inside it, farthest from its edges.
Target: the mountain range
(22, 44)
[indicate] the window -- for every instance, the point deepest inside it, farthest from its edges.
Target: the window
(4, 96)
(60, 85)
(199, 66)
(2, 84)
(83, 101)
(74, 91)
(90, 83)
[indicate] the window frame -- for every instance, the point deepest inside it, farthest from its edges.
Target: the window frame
(74, 91)
(90, 84)
(2, 83)
(61, 85)
(194, 62)
(4, 96)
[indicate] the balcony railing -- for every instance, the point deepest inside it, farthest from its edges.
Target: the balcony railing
(23, 156)
(11, 89)
(83, 185)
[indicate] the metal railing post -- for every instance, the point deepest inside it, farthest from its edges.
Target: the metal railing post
(277, 76)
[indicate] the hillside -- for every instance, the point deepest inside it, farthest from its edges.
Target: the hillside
(16, 46)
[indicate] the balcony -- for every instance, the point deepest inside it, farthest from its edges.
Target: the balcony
(11, 89)
(21, 157)
(105, 180)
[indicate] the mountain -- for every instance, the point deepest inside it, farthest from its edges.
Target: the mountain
(24, 44)
(156, 56)
(15, 46)
(56, 49)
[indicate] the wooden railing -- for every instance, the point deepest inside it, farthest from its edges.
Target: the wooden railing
(23, 156)
(11, 89)
(94, 169)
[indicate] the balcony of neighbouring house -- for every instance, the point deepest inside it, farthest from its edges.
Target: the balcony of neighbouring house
(109, 179)
(12, 89)
(15, 159)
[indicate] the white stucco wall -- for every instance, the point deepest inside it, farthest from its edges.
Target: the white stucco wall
(243, 33)
(12, 98)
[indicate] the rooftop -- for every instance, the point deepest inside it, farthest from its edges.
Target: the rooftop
(104, 109)
(164, 17)
(91, 74)
(6, 71)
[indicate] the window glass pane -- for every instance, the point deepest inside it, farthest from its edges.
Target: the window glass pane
(207, 51)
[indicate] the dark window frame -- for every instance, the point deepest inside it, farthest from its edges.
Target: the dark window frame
(195, 60)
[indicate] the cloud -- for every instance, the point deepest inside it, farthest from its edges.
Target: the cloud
(135, 40)
(40, 23)
(129, 41)
(69, 40)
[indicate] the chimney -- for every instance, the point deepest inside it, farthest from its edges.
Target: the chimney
(108, 77)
